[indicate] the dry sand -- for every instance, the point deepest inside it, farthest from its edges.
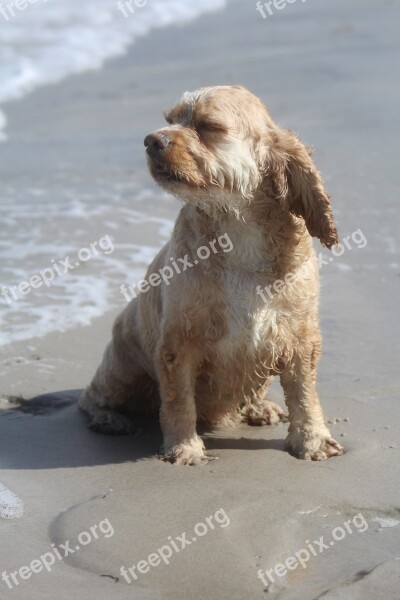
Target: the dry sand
(329, 71)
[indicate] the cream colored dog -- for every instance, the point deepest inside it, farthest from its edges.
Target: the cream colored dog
(207, 346)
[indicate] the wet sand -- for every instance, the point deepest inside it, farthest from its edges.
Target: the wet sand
(328, 72)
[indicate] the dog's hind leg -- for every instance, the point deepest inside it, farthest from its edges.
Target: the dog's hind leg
(119, 387)
(259, 411)
(104, 419)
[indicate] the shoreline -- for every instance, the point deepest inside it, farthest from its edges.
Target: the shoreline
(81, 141)
(118, 26)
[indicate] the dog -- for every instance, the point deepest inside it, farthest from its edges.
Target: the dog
(207, 346)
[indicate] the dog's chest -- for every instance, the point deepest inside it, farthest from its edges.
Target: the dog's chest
(249, 321)
(246, 316)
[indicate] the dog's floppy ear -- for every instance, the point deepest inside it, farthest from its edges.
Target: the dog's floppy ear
(299, 186)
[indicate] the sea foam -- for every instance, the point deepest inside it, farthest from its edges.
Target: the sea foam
(52, 39)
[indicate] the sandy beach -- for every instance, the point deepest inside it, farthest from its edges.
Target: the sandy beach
(75, 157)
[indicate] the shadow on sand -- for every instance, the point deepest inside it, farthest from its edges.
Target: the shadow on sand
(50, 432)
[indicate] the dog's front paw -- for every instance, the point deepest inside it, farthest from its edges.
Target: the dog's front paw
(190, 453)
(312, 444)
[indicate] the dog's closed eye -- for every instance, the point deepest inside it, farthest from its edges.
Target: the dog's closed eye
(202, 127)
(210, 127)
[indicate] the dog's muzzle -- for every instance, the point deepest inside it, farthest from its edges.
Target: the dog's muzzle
(156, 143)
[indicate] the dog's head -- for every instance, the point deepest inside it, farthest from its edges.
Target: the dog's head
(222, 148)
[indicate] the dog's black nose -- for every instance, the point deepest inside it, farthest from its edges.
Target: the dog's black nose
(156, 142)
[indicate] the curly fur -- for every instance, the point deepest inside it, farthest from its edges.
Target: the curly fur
(207, 346)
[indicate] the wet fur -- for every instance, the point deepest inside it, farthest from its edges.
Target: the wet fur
(207, 346)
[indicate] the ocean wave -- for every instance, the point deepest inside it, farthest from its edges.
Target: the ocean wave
(62, 223)
(52, 39)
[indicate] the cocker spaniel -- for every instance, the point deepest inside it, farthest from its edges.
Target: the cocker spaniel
(206, 344)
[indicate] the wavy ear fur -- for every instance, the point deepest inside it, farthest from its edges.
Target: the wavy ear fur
(299, 186)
